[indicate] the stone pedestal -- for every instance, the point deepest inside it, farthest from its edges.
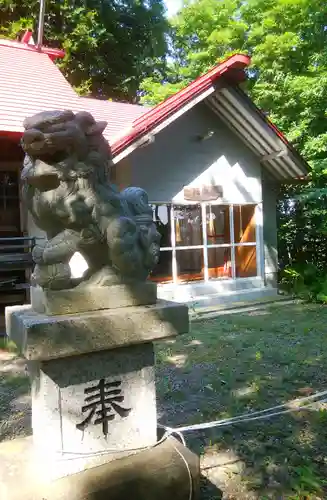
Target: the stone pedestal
(167, 470)
(87, 409)
(92, 373)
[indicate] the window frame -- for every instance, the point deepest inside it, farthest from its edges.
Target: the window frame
(204, 247)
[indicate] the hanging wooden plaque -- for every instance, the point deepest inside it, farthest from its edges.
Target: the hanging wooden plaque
(203, 193)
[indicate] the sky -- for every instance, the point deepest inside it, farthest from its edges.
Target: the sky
(172, 6)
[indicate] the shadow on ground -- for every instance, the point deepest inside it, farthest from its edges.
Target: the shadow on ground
(208, 490)
(223, 368)
(15, 404)
(235, 364)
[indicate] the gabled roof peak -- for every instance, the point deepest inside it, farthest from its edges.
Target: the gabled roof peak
(25, 44)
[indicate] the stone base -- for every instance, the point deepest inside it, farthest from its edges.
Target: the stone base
(87, 410)
(42, 337)
(95, 298)
(169, 470)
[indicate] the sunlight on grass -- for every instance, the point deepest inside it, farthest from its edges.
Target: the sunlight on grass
(245, 362)
(246, 391)
(195, 342)
(178, 360)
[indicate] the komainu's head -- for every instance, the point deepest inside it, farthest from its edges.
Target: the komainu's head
(63, 145)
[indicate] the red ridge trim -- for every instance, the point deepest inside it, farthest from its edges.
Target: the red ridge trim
(27, 36)
(52, 53)
(171, 105)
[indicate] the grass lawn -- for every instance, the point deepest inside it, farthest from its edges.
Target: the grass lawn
(225, 367)
(243, 362)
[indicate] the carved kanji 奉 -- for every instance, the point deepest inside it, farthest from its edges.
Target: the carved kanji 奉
(102, 401)
(68, 194)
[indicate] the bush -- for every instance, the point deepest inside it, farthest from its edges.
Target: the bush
(305, 281)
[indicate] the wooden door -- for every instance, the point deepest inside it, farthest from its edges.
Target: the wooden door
(10, 225)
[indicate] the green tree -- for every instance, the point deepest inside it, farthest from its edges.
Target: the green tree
(287, 42)
(110, 45)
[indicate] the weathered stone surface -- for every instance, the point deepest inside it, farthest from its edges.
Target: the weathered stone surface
(69, 196)
(84, 299)
(76, 413)
(166, 471)
(41, 337)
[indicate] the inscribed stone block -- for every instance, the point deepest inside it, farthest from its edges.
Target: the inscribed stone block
(84, 407)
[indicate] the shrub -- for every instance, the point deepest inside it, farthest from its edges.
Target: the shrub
(305, 281)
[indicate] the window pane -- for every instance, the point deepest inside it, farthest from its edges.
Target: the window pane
(163, 272)
(245, 261)
(190, 264)
(161, 216)
(219, 263)
(244, 223)
(188, 227)
(218, 229)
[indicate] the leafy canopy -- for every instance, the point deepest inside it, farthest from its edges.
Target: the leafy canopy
(110, 45)
(287, 41)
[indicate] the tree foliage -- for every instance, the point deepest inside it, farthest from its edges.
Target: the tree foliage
(110, 45)
(287, 41)
(113, 45)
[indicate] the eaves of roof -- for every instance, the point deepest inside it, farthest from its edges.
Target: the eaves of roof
(270, 146)
(35, 84)
(232, 105)
(274, 128)
(164, 110)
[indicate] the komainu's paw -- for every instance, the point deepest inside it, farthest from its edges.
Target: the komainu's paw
(38, 252)
(54, 276)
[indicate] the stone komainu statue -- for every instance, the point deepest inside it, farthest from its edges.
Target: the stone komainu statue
(66, 190)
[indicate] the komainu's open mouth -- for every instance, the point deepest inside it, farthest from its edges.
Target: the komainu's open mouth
(42, 176)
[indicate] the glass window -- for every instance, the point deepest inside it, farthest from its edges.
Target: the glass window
(245, 261)
(219, 263)
(188, 225)
(244, 223)
(163, 272)
(218, 228)
(237, 259)
(190, 264)
(162, 218)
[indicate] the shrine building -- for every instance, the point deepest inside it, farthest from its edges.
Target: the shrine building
(211, 162)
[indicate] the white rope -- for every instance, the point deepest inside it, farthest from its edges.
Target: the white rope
(245, 417)
(248, 417)
(188, 471)
(171, 431)
(79, 454)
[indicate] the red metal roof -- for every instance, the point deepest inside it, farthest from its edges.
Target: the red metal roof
(24, 45)
(29, 83)
(120, 116)
(171, 105)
